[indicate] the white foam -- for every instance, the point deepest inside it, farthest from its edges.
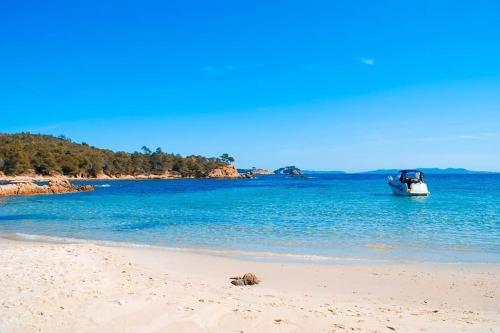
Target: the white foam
(66, 240)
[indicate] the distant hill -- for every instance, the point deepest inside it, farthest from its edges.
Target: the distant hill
(436, 171)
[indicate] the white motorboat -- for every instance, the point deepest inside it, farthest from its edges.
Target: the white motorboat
(408, 183)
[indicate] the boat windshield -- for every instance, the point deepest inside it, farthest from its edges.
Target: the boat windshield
(414, 175)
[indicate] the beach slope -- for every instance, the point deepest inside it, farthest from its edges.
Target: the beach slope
(47, 287)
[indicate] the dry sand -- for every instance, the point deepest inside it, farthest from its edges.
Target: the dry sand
(88, 288)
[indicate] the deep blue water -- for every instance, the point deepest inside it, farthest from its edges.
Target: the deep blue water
(338, 216)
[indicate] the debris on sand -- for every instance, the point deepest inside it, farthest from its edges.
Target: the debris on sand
(247, 280)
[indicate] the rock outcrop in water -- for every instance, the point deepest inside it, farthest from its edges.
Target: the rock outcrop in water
(227, 171)
(54, 186)
(289, 170)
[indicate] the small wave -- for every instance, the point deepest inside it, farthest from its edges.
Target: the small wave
(203, 251)
(67, 240)
(103, 185)
(41, 238)
(238, 254)
(257, 254)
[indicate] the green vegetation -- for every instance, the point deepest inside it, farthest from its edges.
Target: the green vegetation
(48, 155)
(226, 158)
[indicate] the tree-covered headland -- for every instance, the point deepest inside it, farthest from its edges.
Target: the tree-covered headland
(49, 155)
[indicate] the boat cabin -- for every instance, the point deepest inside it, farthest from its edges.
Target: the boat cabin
(411, 177)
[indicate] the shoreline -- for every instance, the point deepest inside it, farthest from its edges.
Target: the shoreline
(66, 287)
(139, 177)
(222, 172)
(27, 185)
(243, 255)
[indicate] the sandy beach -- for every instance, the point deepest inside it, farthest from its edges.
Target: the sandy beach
(46, 287)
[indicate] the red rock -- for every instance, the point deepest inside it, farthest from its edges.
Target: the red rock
(227, 171)
(54, 186)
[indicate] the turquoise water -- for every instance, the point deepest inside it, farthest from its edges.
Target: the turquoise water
(322, 216)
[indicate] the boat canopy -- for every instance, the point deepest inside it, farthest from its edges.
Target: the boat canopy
(411, 174)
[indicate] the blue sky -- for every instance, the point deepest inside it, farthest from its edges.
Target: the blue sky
(330, 85)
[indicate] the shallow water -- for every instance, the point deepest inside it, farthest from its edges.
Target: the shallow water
(323, 216)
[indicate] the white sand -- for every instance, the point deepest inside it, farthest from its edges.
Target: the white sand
(88, 288)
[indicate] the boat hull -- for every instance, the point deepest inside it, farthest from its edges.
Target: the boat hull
(402, 189)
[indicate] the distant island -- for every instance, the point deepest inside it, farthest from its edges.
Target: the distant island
(289, 170)
(35, 155)
(255, 171)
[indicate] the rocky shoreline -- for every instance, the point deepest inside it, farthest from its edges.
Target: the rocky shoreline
(54, 186)
(223, 172)
(26, 184)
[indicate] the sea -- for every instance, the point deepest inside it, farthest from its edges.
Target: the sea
(320, 217)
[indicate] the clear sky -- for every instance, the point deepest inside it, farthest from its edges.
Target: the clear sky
(327, 85)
